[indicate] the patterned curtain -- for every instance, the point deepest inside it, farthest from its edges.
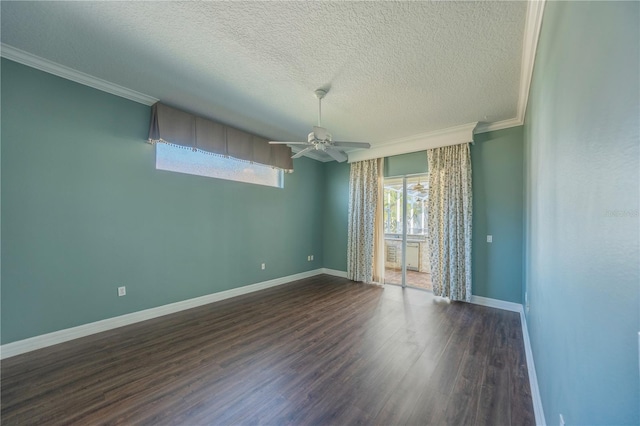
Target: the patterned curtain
(363, 200)
(449, 224)
(378, 242)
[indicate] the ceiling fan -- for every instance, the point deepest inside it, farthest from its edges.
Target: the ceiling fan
(419, 188)
(320, 138)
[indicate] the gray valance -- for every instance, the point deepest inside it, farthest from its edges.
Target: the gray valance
(174, 126)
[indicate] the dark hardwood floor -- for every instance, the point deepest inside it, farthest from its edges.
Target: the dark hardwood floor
(318, 351)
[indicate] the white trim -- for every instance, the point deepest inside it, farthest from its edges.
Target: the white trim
(498, 125)
(531, 369)
(496, 303)
(49, 339)
(445, 137)
(334, 272)
(532, 26)
(46, 65)
(343, 274)
(38, 342)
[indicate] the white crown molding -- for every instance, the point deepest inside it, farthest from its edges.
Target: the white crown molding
(532, 26)
(50, 67)
(531, 368)
(445, 137)
(442, 133)
(498, 125)
(49, 339)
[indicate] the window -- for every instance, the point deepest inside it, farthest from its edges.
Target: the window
(175, 158)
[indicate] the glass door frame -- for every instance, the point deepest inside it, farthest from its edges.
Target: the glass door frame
(404, 231)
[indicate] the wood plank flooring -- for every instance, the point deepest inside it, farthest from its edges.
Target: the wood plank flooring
(323, 350)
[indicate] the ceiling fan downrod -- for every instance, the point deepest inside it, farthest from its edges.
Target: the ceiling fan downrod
(320, 94)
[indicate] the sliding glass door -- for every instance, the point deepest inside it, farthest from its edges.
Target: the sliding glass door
(393, 230)
(405, 231)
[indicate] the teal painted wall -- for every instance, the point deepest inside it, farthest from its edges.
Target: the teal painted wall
(405, 164)
(336, 211)
(84, 211)
(582, 232)
(336, 206)
(498, 196)
(497, 160)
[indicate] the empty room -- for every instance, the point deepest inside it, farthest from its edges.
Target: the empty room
(320, 212)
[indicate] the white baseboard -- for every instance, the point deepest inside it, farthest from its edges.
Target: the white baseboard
(343, 274)
(533, 378)
(495, 303)
(49, 339)
(334, 272)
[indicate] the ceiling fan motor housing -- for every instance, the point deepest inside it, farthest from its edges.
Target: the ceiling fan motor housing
(321, 134)
(320, 138)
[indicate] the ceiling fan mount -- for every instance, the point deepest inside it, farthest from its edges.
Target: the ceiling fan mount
(320, 93)
(321, 140)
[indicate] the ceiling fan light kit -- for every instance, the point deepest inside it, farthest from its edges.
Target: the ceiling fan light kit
(321, 140)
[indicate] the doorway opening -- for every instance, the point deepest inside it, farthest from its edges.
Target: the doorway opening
(406, 248)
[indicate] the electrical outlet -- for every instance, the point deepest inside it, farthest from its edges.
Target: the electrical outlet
(122, 291)
(308, 258)
(526, 301)
(489, 238)
(263, 266)
(561, 420)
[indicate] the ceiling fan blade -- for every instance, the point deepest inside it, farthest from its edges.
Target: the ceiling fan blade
(353, 144)
(301, 153)
(336, 155)
(288, 143)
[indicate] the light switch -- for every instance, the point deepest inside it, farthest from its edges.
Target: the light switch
(489, 238)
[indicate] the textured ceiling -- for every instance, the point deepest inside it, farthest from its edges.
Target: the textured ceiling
(395, 69)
